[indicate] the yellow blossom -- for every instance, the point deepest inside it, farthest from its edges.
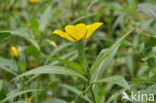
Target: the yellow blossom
(14, 52)
(28, 100)
(78, 32)
(33, 1)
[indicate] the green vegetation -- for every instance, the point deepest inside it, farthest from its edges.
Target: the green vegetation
(37, 66)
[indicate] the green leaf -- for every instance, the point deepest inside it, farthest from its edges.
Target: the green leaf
(60, 48)
(114, 96)
(33, 51)
(150, 90)
(13, 95)
(119, 80)
(151, 61)
(8, 70)
(20, 102)
(52, 70)
(24, 34)
(91, 4)
(148, 9)
(4, 35)
(22, 61)
(68, 56)
(100, 69)
(105, 58)
(83, 17)
(71, 64)
(35, 26)
(141, 46)
(57, 49)
(76, 91)
(1, 84)
(8, 65)
(44, 20)
(130, 65)
(151, 42)
(54, 100)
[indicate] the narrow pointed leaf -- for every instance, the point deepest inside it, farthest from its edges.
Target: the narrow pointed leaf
(1, 84)
(105, 63)
(119, 80)
(4, 35)
(105, 58)
(76, 91)
(52, 70)
(71, 64)
(8, 66)
(58, 49)
(17, 94)
(44, 20)
(148, 9)
(54, 100)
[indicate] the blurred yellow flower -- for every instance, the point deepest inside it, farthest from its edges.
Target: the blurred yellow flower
(78, 32)
(28, 100)
(33, 1)
(14, 52)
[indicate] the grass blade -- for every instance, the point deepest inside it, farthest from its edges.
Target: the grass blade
(119, 80)
(52, 70)
(17, 94)
(96, 68)
(71, 64)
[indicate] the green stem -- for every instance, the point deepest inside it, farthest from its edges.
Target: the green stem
(93, 95)
(148, 76)
(81, 94)
(84, 65)
(38, 87)
(81, 56)
(73, 9)
(33, 77)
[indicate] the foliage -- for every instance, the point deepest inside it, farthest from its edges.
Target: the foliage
(119, 56)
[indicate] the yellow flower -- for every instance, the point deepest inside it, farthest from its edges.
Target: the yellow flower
(14, 52)
(78, 32)
(34, 1)
(28, 100)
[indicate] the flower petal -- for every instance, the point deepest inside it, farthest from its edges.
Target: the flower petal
(77, 32)
(14, 52)
(33, 1)
(63, 35)
(92, 28)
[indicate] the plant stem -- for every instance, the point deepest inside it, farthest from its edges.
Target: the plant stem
(38, 87)
(73, 9)
(81, 94)
(84, 65)
(81, 57)
(93, 95)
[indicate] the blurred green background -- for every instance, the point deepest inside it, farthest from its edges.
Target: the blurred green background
(28, 27)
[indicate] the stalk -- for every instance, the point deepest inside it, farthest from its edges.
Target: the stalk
(93, 95)
(84, 65)
(81, 57)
